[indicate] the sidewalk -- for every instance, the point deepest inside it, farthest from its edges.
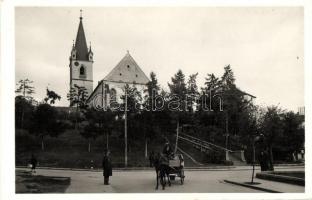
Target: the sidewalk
(267, 185)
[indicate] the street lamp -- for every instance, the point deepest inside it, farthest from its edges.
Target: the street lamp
(126, 135)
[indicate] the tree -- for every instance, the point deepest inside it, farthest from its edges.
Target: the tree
(130, 108)
(192, 92)
(293, 132)
(177, 105)
(212, 83)
(178, 86)
(151, 107)
(77, 96)
(26, 90)
(23, 112)
(134, 99)
(228, 79)
(99, 122)
(272, 128)
(51, 97)
(45, 122)
(151, 92)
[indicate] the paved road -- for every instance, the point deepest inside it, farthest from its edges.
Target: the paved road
(143, 181)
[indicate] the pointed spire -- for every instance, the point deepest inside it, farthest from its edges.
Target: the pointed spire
(81, 43)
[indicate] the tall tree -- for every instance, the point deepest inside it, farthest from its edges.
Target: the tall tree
(177, 104)
(178, 92)
(152, 105)
(178, 85)
(25, 90)
(151, 92)
(212, 82)
(272, 127)
(130, 109)
(192, 92)
(228, 79)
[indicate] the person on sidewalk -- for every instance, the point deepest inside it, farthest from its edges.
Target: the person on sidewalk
(107, 167)
(33, 162)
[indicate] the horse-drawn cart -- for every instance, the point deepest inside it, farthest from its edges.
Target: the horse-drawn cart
(176, 166)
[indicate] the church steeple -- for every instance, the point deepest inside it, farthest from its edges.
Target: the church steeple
(81, 43)
(81, 62)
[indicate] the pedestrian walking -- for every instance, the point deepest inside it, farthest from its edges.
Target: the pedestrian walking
(33, 162)
(107, 167)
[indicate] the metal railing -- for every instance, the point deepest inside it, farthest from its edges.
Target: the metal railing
(202, 143)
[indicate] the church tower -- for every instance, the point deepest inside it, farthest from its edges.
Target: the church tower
(81, 61)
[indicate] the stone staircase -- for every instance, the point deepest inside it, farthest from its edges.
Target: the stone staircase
(237, 157)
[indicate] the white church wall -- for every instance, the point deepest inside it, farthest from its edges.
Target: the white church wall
(95, 100)
(85, 80)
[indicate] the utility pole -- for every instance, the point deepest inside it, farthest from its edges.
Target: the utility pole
(253, 159)
(126, 143)
(226, 129)
(176, 143)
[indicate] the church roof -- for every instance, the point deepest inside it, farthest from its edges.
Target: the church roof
(128, 71)
(81, 43)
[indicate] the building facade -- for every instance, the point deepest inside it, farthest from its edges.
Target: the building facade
(112, 87)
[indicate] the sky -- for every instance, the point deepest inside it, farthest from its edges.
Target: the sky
(263, 45)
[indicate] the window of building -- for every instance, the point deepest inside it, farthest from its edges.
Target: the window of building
(82, 71)
(112, 94)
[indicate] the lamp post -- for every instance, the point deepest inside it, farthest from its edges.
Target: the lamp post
(253, 159)
(226, 129)
(126, 143)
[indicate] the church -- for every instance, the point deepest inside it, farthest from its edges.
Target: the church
(112, 86)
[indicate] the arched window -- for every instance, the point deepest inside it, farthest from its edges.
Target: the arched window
(112, 94)
(82, 71)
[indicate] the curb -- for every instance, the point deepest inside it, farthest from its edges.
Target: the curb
(281, 178)
(252, 186)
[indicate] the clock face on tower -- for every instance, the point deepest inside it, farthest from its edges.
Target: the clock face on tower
(76, 63)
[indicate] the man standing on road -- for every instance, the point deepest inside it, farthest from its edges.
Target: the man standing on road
(107, 167)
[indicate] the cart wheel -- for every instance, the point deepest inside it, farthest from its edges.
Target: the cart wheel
(182, 176)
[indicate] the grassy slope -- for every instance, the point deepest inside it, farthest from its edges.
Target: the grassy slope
(71, 150)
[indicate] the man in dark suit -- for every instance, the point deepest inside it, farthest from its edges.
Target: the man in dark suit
(107, 167)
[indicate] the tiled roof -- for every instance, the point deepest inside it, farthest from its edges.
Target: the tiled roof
(127, 70)
(81, 43)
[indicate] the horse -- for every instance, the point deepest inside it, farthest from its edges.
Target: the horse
(162, 169)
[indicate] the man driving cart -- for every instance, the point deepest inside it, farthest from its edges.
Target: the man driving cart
(167, 151)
